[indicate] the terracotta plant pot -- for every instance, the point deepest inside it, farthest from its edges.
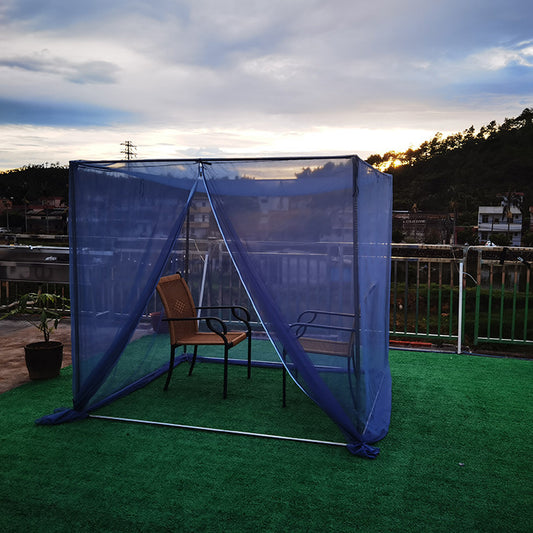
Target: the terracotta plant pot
(158, 324)
(43, 359)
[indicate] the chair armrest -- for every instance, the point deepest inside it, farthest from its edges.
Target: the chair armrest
(316, 312)
(303, 326)
(234, 309)
(209, 320)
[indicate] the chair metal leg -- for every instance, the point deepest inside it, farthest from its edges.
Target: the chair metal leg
(170, 366)
(225, 393)
(284, 394)
(249, 355)
(284, 381)
(195, 353)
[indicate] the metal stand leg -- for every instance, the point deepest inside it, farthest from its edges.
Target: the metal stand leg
(225, 393)
(193, 360)
(170, 366)
(284, 395)
(249, 355)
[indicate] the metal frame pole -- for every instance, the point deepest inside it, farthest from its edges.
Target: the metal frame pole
(460, 313)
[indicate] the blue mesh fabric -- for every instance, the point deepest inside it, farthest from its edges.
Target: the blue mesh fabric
(314, 235)
(123, 222)
(307, 236)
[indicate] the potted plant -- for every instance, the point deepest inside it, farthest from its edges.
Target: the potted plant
(44, 311)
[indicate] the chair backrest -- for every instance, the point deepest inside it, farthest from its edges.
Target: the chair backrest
(178, 303)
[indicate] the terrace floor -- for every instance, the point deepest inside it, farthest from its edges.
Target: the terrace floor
(456, 458)
(15, 334)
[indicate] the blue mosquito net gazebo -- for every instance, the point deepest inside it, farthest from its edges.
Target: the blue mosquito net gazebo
(303, 234)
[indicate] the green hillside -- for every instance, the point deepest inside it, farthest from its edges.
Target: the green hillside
(464, 170)
(32, 182)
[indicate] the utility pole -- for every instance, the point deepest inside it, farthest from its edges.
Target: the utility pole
(8, 204)
(129, 150)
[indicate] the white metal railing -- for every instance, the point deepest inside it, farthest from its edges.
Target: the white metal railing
(439, 294)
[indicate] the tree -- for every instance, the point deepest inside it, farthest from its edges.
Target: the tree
(527, 239)
(465, 169)
(397, 236)
(500, 239)
(467, 236)
(510, 200)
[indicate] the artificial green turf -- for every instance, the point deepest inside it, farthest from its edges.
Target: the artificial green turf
(457, 457)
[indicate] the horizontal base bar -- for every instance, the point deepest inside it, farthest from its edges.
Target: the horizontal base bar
(216, 430)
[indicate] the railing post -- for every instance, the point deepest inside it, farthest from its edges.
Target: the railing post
(202, 286)
(460, 311)
(478, 298)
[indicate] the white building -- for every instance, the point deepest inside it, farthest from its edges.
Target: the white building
(491, 221)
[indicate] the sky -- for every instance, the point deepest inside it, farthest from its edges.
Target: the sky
(247, 78)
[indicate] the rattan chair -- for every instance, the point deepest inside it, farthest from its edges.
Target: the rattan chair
(183, 320)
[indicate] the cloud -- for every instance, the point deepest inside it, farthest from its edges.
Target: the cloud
(96, 71)
(50, 113)
(500, 57)
(53, 13)
(191, 72)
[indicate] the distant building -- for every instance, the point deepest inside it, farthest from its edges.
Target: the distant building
(419, 227)
(52, 201)
(47, 220)
(49, 216)
(492, 221)
(201, 221)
